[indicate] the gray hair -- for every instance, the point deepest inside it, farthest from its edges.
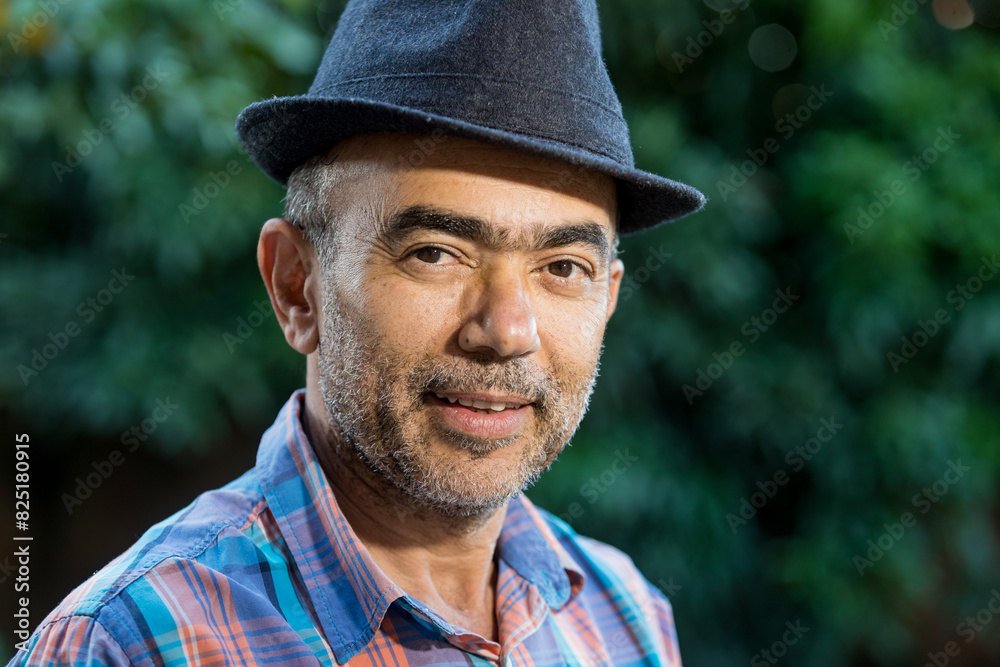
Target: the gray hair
(309, 203)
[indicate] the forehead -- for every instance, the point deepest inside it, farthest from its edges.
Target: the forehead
(510, 189)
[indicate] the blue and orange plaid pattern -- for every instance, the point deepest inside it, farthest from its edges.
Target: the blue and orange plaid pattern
(266, 570)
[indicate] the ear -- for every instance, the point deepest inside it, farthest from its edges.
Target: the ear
(616, 273)
(290, 269)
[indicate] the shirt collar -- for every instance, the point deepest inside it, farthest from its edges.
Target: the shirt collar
(528, 545)
(348, 590)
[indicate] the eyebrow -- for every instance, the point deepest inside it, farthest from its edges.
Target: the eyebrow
(423, 218)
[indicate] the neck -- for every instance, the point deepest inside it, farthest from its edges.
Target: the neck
(445, 562)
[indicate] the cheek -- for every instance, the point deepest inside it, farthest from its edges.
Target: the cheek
(575, 331)
(413, 318)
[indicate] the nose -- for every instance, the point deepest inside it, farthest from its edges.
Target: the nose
(504, 318)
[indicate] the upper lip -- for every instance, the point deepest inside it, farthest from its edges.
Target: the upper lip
(512, 399)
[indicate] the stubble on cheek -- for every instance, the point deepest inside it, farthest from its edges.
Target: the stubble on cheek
(377, 405)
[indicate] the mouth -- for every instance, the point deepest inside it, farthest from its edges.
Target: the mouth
(483, 404)
(482, 415)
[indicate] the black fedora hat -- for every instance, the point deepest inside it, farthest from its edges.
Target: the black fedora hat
(525, 74)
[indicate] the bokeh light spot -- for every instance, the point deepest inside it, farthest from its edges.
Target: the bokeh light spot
(772, 47)
(954, 14)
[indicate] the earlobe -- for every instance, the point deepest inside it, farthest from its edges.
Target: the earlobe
(289, 268)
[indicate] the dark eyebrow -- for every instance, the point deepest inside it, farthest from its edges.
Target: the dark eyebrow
(479, 231)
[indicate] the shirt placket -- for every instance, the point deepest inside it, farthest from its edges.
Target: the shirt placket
(526, 615)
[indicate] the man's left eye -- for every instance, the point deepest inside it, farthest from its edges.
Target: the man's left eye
(429, 255)
(563, 268)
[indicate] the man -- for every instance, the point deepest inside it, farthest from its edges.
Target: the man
(457, 177)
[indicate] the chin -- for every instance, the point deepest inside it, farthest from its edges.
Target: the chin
(468, 488)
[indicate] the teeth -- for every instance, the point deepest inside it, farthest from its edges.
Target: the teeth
(480, 406)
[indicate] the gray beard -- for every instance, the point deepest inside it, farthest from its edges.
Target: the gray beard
(373, 398)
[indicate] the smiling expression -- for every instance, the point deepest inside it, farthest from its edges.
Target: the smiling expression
(463, 314)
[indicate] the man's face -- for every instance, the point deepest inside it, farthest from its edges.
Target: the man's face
(463, 315)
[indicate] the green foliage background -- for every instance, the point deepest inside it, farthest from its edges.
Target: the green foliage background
(734, 586)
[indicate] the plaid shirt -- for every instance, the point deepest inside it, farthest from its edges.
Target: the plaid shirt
(267, 570)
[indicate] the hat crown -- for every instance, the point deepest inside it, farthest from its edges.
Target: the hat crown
(529, 66)
(522, 74)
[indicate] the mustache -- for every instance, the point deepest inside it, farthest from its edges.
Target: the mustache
(512, 376)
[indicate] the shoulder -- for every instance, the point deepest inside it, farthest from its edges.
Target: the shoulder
(111, 618)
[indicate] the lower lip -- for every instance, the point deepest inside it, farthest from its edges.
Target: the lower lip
(499, 425)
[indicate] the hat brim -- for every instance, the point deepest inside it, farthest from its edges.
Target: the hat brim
(282, 133)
